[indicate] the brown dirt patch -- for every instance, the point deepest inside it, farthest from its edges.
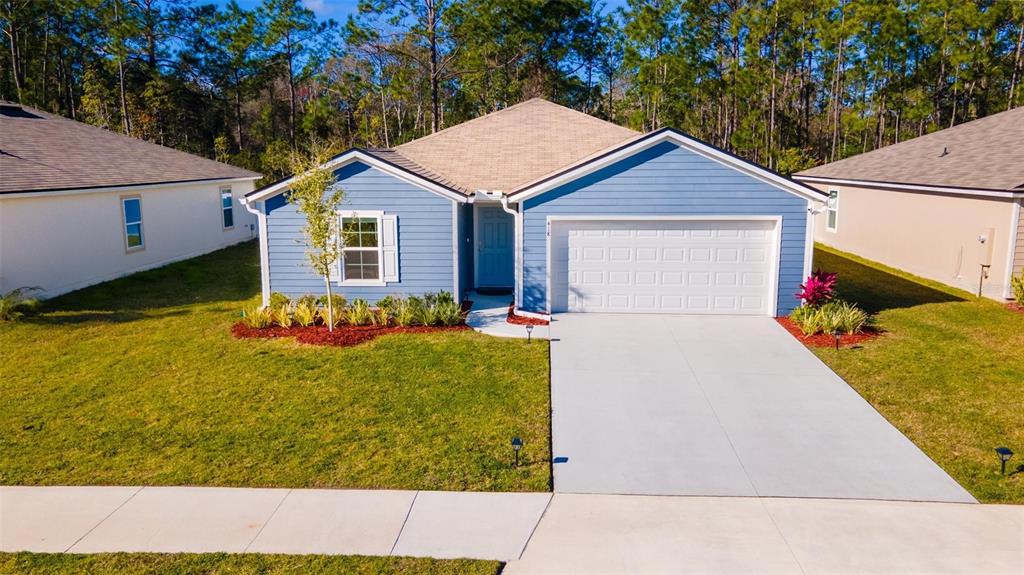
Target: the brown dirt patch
(1014, 306)
(827, 340)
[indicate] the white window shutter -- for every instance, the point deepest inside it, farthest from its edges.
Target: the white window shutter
(389, 246)
(336, 268)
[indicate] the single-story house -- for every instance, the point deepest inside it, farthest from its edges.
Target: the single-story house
(80, 205)
(566, 211)
(945, 206)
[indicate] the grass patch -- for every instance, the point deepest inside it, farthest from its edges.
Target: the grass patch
(138, 381)
(225, 564)
(947, 372)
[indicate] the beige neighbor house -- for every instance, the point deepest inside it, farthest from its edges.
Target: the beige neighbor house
(945, 206)
(80, 205)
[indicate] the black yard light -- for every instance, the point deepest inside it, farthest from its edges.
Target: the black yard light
(529, 333)
(517, 444)
(1004, 453)
(837, 334)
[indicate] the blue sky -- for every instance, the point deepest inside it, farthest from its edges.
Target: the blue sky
(340, 9)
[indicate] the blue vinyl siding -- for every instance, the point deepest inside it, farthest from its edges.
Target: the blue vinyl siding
(425, 251)
(664, 180)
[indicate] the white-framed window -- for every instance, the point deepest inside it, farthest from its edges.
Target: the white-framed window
(832, 211)
(227, 208)
(361, 253)
(131, 217)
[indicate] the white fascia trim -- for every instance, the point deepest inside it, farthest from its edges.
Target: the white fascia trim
(700, 148)
(1010, 253)
(777, 240)
(353, 156)
(456, 249)
(261, 220)
(517, 217)
(122, 189)
(809, 239)
(912, 187)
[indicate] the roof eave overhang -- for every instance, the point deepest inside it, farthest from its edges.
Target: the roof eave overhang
(123, 188)
(358, 155)
(651, 139)
(907, 187)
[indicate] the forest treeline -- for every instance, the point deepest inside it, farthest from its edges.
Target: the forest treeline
(786, 83)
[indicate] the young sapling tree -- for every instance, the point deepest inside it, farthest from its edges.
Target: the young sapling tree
(313, 192)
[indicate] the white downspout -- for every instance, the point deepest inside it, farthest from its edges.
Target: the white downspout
(261, 219)
(518, 251)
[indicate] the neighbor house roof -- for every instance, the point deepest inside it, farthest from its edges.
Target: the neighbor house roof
(985, 154)
(510, 147)
(44, 152)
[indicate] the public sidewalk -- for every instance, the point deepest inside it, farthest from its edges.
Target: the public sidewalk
(291, 521)
(533, 532)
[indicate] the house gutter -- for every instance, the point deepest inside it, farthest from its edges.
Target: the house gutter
(261, 219)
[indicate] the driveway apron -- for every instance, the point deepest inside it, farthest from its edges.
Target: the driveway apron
(712, 405)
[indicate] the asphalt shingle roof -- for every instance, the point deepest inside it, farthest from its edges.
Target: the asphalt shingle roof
(985, 154)
(44, 152)
(508, 148)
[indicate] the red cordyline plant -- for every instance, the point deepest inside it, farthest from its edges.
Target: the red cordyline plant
(818, 289)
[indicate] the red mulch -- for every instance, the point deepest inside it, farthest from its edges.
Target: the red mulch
(342, 336)
(1014, 306)
(825, 339)
(521, 320)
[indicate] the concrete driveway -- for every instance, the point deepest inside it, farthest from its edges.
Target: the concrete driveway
(710, 405)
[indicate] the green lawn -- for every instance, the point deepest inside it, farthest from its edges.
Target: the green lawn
(225, 564)
(948, 371)
(139, 382)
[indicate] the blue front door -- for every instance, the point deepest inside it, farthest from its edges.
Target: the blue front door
(494, 244)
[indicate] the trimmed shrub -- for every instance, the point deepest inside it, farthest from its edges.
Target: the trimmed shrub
(403, 312)
(257, 317)
(834, 316)
(283, 315)
(359, 313)
(278, 299)
(305, 312)
(1018, 288)
(448, 313)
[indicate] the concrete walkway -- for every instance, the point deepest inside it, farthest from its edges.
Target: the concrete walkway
(644, 534)
(719, 406)
(291, 521)
(566, 533)
(490, 313)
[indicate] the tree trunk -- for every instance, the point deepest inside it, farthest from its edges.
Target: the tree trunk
(435, 98)
(126, 124)
(1015, 78)
(330, 304)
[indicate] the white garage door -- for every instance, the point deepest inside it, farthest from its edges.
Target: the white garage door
(664, 266)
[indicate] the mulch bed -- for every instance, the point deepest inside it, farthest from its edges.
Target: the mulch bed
(342, 336)
(828, 340)
(1013, 306)
(520, 320)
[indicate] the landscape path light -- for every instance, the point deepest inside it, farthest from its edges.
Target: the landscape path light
(1004, 453)
(517, 444)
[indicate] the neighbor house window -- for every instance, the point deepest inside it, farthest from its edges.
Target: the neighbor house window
(832, 208)
(227, 208)
(131, 211)
(361, 251)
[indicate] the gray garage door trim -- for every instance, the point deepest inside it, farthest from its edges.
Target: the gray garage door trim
(559, 228)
